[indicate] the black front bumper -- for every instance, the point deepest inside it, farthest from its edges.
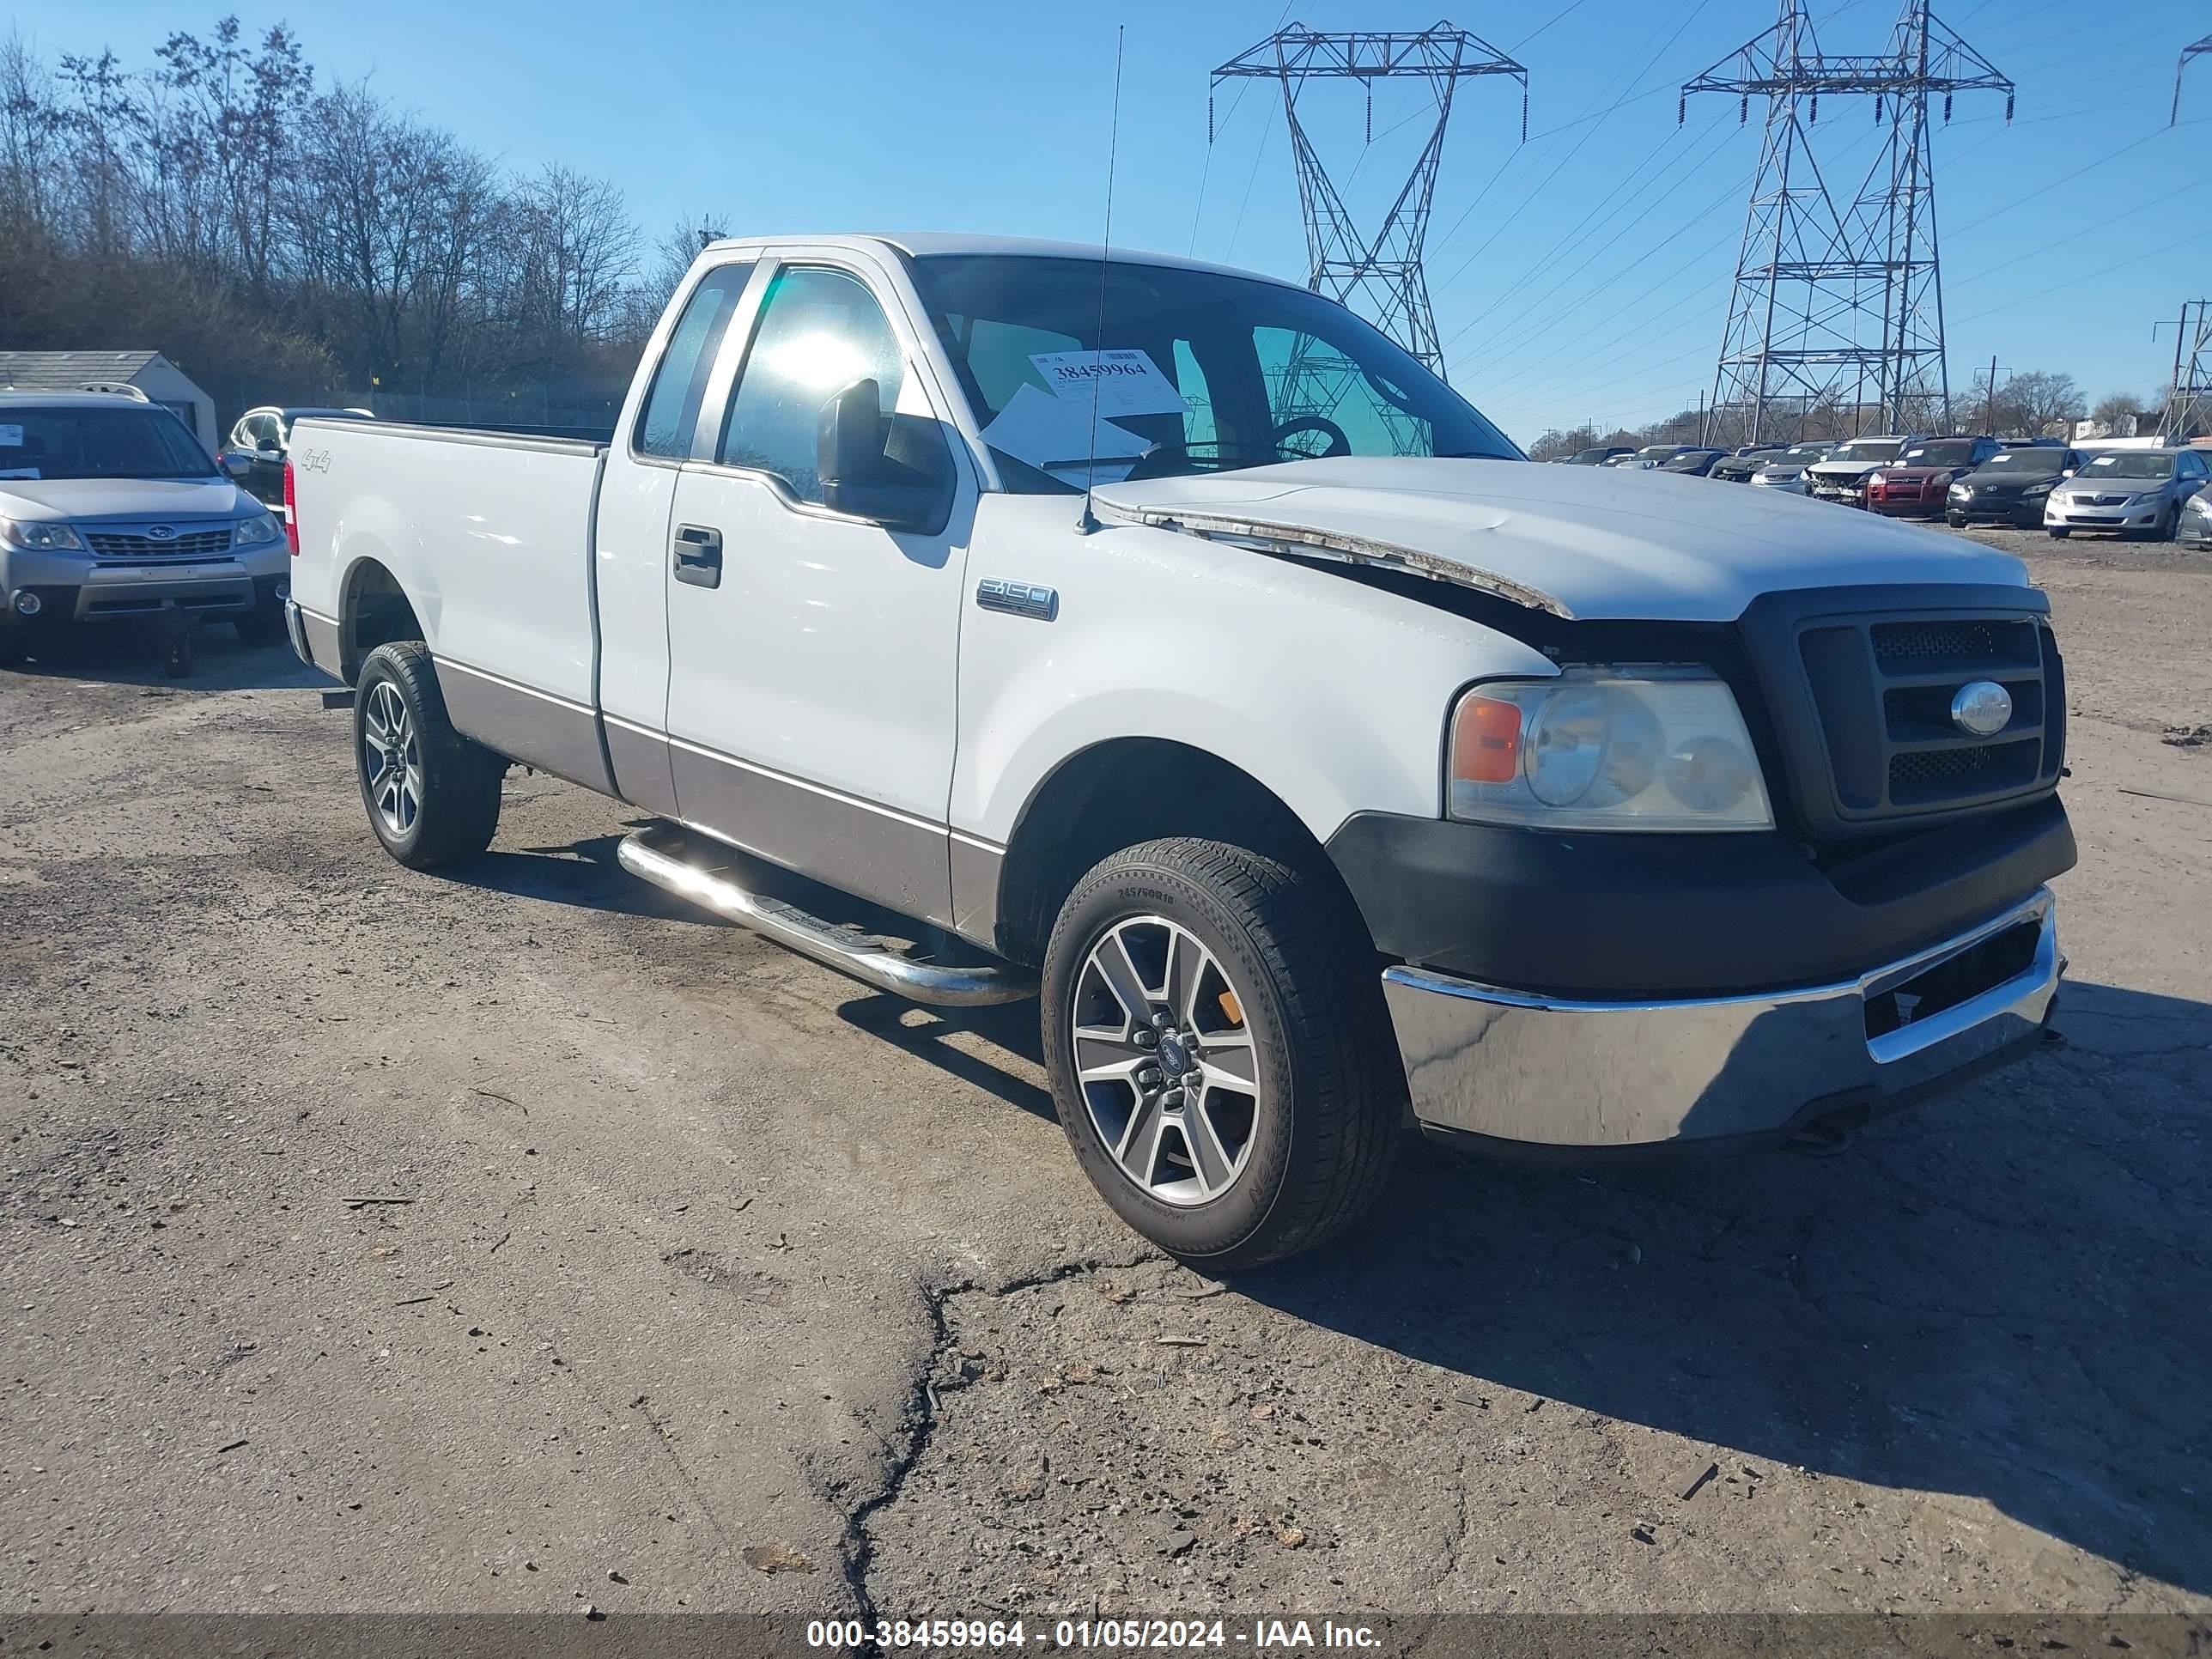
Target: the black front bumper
(1628, 914)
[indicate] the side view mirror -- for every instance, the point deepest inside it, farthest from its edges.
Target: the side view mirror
(893, 469)
(237, 462)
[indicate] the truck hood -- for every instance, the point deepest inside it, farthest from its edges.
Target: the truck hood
(1581, 541)
(80, 500)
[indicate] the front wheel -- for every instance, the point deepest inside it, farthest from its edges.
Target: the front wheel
(2057, 535)
(432, 794)
(2170, 526)
(1956, 520)
(1219, 1052)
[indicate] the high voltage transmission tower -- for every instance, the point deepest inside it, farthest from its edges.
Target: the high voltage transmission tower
(2200, 49)
(1379, 276)
(1838, 291)
(2188, 406)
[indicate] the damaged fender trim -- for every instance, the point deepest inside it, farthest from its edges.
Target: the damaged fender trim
(1261, 537)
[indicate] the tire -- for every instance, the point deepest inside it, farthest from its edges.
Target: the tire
(1298, 1012)
(1956, 520)
(442, 803)
(14, 647)
(2170, 526)
(2057, 535)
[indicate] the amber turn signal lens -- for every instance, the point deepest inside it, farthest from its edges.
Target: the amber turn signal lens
(1486, 740)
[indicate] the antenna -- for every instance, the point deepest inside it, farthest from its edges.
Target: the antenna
(1088, 522)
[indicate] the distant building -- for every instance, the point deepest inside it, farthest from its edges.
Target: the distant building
(162, 380)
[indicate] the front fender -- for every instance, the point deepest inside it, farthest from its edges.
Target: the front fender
(1331, 694)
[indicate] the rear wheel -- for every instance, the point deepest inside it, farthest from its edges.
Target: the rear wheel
(432, 795)
(1220, 1053)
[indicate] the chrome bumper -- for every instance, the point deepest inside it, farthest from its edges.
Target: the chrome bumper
(1562, 1072)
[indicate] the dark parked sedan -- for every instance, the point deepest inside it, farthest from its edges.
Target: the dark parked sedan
(1739, 467)
(1597, 457)
(2011, 487)
(261, 439)
(1697, 463)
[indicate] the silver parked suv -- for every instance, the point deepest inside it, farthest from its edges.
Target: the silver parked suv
(111, 509)
(2137, 492)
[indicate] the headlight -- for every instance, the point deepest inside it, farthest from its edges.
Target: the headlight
(1607, 749)
(36, 535)
(1959, 492)
(2044, 488)
(251, 532)
(1875, 479)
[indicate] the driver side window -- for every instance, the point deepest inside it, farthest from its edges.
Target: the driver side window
(1307, 377)
(820, 330)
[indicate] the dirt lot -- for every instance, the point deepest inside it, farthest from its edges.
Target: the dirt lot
(763, 1291)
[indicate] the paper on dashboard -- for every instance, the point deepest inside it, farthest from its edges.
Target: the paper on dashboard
(1056, 435)
(1125, 382)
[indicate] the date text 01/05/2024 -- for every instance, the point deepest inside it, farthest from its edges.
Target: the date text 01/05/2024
(1117, 1635)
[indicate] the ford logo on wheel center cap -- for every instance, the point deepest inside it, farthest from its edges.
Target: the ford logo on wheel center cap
(1982, 709)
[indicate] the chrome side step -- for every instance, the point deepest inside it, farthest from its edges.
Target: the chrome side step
(657, 855)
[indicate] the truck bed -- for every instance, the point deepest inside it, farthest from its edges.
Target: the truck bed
(489, 534)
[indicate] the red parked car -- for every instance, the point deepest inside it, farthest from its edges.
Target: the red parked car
(1916, 483)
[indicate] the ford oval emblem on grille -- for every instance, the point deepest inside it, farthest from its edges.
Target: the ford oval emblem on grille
(161, 533)
(1982, 709)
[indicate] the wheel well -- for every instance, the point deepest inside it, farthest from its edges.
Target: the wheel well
(1123, 792)
(375, 612)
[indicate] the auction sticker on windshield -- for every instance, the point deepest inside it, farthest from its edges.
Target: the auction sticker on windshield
(11, 437)
(1127, 382)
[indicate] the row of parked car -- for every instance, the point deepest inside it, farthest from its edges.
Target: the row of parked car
(2162, 494)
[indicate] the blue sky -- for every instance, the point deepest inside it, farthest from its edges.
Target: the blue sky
(1584, 274)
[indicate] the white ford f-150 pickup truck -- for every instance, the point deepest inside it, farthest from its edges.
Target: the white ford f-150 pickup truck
(1326, 769)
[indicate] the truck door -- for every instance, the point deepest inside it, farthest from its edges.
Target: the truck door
(631, 538)
(813, 653)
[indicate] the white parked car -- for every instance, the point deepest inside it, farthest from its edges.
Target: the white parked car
(111, 510)
(1328, 769)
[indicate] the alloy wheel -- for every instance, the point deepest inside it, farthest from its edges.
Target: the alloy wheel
(1165, 1060)
(392, 759)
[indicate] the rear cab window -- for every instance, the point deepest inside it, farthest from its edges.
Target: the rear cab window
(670, 411)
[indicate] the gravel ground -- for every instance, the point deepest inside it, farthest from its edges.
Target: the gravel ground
(765, 1293)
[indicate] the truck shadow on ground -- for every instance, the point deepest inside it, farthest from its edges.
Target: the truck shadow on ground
(2001, 1295)
(132, 654)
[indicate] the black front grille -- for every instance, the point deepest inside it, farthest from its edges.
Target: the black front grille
(1881, 689)
(1902, 646)
(135, 544)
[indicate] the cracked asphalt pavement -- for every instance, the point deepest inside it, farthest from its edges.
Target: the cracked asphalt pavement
(513, 1238)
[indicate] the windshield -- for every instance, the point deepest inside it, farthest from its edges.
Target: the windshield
(1691, 458)
(1943, 454)
(2026, 460)
(83, 442)
(1200, 372)
(1870, 449)
(1657, 452)
(2138, 463)
(1801, 453)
